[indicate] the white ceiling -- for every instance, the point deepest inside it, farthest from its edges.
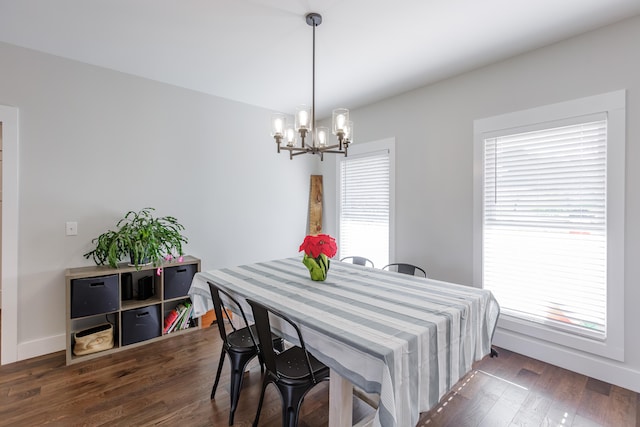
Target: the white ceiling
(259, 51)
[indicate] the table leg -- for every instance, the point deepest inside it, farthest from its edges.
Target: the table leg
(340, 401)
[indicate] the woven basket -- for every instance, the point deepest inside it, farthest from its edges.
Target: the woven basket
(92, 340)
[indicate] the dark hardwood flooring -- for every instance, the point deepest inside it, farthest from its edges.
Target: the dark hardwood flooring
(169, 382)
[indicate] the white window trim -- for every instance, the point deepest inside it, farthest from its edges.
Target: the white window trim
(360, 149)
(612, 103)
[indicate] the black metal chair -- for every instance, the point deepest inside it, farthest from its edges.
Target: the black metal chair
(294, 371)
(241, 345)
(404, 268)
(358, 260)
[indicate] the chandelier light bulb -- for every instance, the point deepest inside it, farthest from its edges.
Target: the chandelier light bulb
(321, 136)
(278, 126)
(278, 123)
(348, 132)
(290, 137)
(302, 117)
(340, 120)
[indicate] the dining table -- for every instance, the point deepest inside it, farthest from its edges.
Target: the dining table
(407, 340)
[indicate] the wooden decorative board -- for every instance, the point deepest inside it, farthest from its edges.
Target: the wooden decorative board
(315, 205)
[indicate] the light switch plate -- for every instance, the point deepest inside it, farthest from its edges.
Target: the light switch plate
(72, 228)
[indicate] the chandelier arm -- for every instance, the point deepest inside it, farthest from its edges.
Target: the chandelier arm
(329, 147)
(332, 151)
(300, 152)
(296, 149)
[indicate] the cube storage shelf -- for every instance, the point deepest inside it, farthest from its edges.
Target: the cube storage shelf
(134, 301)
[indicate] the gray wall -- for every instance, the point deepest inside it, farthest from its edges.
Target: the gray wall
(95, 143)
(433, 129)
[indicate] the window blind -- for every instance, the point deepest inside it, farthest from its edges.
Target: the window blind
(364, 206)
(544, 226)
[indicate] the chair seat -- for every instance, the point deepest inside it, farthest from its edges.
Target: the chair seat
(241, 339)
(292, 366)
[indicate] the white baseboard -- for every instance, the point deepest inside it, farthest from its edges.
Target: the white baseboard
(39, 347)
(591, 366)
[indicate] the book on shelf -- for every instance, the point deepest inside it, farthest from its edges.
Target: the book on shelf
(170, 319)
(187, 317)
(181, 309)
(178, 318)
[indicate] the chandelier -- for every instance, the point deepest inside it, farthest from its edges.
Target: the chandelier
(313, 140)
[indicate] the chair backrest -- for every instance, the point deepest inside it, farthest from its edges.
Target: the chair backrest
(359, 260)
(404, 268)
(220, 311)
(263, 326)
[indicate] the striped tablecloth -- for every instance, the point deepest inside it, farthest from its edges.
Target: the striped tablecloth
(406, 338)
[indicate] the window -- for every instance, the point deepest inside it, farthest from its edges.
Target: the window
(544, 225)
(364, 202)
(549, 221)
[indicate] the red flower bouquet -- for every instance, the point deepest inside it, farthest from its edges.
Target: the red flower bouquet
(317, 251)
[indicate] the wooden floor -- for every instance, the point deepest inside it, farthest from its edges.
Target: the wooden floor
(169, 382)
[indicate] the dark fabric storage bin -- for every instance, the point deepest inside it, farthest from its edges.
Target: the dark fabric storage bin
(140, 324)
(177, 280)
(94, 295)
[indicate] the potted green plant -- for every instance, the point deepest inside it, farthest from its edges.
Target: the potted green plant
(140, 236)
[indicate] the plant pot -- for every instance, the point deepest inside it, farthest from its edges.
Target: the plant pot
(144, 261)
(318, 267)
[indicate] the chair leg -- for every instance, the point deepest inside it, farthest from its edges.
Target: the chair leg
(215, 384)
(292, 398)
(238, 365)
(289, 417)
(265, 382)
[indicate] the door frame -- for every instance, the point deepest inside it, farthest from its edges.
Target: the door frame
(9, 345)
